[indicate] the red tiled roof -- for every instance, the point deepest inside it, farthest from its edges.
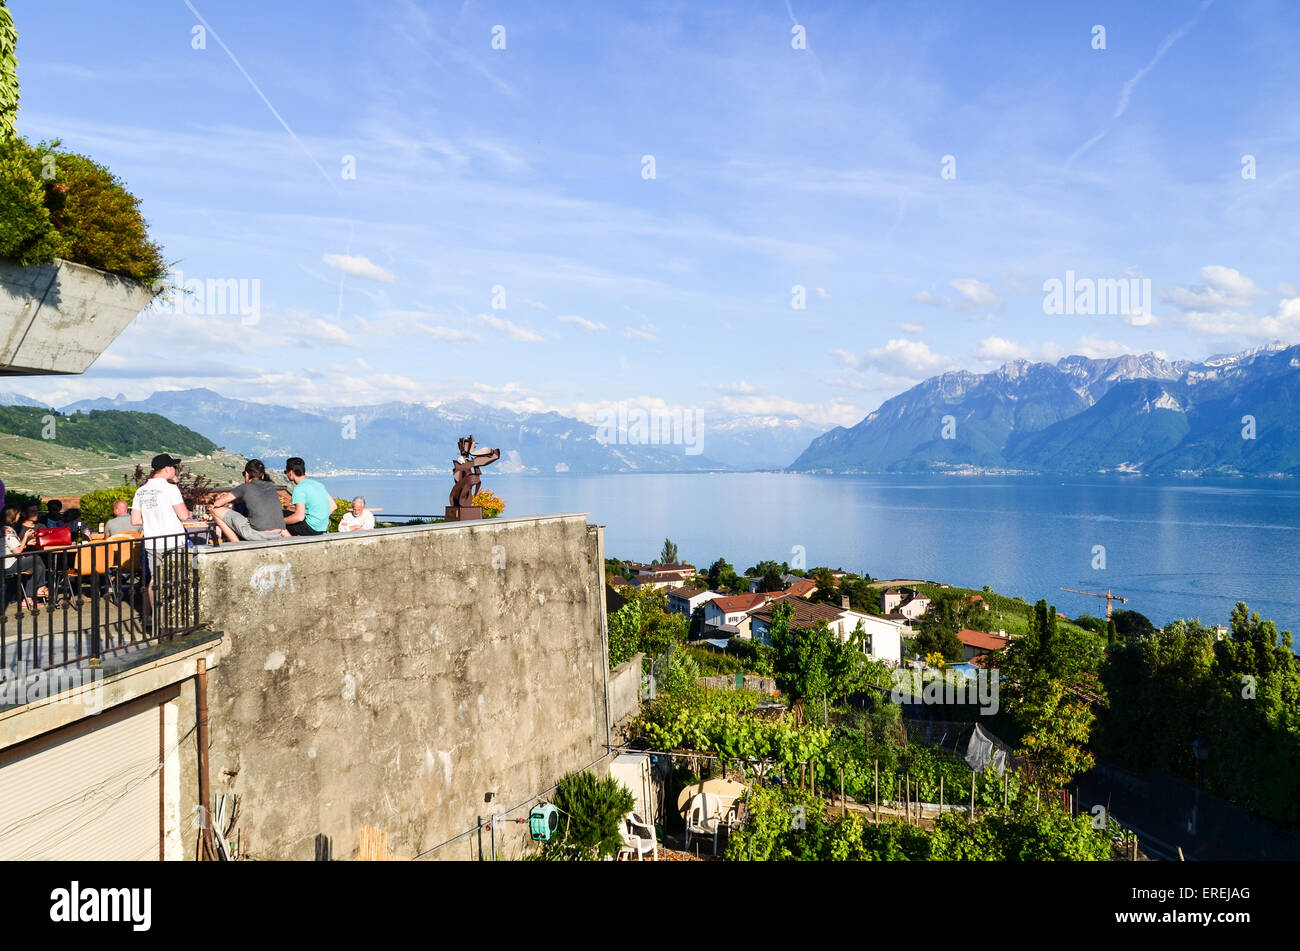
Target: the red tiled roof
(801, 588)
(988, 642)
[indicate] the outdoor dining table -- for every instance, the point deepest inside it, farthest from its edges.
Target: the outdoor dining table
(728, 792)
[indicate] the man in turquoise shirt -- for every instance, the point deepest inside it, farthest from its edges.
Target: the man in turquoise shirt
(312, 505)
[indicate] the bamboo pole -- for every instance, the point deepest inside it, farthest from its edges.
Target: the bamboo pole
(972, 796)
(844, 806)
(877, 787)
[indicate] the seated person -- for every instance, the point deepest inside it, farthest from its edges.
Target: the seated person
(265, 519)
(18, 540)
(72, 519)
(121, 520)
(312, 505)
(360, 519)
(53, 513)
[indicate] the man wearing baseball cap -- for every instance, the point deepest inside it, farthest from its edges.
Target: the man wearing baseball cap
(158, 508)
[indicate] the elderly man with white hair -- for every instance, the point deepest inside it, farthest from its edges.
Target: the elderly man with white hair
(359, 519)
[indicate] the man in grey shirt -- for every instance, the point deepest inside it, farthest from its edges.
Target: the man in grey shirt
(121, 520)
(265, 517)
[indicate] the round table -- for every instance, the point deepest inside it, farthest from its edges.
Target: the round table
(727, 791)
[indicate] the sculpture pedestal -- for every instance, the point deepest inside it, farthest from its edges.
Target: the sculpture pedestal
(462, 513)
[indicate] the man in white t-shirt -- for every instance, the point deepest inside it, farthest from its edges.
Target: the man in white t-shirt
(360, 519)
(158, 508)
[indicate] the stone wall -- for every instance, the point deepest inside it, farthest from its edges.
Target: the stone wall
(625, 690)
(395, 678)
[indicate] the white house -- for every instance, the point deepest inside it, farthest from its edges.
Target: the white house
(883, 638)
(685, 600)
(905, 601)
(733, 611)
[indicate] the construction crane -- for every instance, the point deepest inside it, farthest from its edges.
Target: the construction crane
(1108, 596)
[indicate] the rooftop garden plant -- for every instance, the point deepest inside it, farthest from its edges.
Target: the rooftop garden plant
(58, 204)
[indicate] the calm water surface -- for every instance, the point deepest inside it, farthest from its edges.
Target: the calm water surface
(1175, 548)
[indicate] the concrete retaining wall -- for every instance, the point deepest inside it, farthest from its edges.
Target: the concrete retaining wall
(625, 690)
(394, 678)
(751, 682)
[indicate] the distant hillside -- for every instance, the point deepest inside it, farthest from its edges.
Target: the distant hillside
(96, 450)
(105, 430)
(1130, 413)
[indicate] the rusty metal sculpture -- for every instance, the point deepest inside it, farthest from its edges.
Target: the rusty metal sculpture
(465, 472)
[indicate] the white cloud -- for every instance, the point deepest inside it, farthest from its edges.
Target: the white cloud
(644, 334)
(739, 387)
(913, 329)
(359, 266)
(517, 331)
(535, 304)
(925, 297)
(900, 356)
(449, 334)
(581, 322)
(1282, 324)
(1001, 350)
(975, 293)
(324, 331)
(823, 294)
(1224, 289)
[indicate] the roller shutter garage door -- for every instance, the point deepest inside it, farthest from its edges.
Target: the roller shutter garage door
(95, 795)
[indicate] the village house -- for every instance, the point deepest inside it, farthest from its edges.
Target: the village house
(661, 576)
(729, 615)
(685, 600)
(908, 602)
(976, 643)
(882, 637)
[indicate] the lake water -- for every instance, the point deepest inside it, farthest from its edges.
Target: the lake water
(1188, 548)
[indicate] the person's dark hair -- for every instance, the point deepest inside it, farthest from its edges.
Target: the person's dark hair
(10, 515)
(54, 505)
(256, 470)
(73, 514)
(295, 465)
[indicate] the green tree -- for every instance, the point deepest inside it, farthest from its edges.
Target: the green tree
(591, 814)
(1050, 684)
(1132, 624)
(811, 662)
(939, 626)
(723, 577)
(769, 575)
(668, 556)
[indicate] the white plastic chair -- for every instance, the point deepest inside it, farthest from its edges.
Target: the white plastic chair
(704, 817)
(638, 838)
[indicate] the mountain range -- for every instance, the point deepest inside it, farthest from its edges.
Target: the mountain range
(408, 437)
(1235, 414)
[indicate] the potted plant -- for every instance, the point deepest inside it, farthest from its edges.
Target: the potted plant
(76, 262)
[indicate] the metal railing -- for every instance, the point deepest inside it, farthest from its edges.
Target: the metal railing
(81, 603)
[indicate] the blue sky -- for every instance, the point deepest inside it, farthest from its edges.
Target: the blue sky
(523, 168)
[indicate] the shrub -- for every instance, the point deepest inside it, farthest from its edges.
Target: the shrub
(100, 220)
(27, 236)
(19, 499)
(491, 504)
(591, 811)
(60, 204)
(97, 506)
